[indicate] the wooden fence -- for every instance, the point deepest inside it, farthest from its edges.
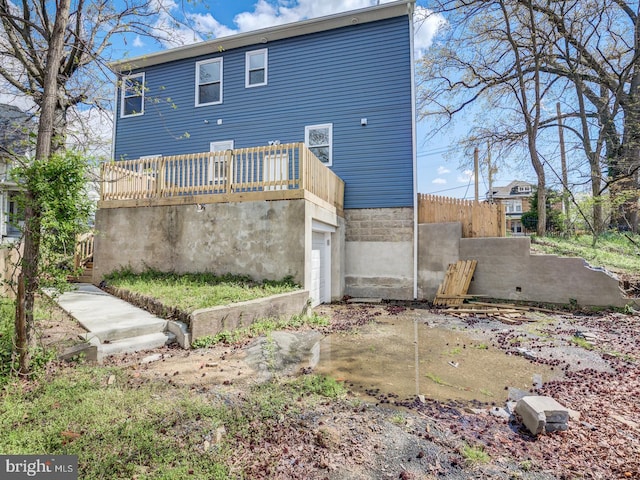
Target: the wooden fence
(477, 219)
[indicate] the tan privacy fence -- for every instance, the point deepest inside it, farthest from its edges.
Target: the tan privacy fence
(478, 219)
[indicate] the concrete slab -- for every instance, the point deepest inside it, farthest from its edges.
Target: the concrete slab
(103, 314)
(113, 325)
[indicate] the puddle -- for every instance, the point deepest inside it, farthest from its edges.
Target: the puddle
(408, 358)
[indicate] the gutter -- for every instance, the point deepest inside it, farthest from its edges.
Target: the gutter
(410, 8)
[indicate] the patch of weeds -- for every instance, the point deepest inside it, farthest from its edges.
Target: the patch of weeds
(455, 351)
(518, 339)
(191, 291)
(319, 385)
(481, 346)
(260, 327)
(526, 465)
(474, 455)
(116, 430)
(486, 392)
(40, 355)
(581, 342)
(398, 419)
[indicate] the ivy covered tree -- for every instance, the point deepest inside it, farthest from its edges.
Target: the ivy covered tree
(554, 217)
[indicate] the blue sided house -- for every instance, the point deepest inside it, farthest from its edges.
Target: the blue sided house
(287, 151)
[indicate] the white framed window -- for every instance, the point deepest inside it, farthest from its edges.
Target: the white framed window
(217, 168)
(132, 95)
(319, 139)
(256, 63)
(209, 82)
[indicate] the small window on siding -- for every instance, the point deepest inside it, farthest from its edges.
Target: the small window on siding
(319, 139)
(209, 82)
(256, 68)
(132, 91)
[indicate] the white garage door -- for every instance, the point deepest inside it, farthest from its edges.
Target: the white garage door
(320, 258)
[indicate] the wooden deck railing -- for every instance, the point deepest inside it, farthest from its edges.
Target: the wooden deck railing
(286, 167)
(477, 219)
(84, 250)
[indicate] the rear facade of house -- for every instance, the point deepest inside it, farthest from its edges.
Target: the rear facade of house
(341, 86)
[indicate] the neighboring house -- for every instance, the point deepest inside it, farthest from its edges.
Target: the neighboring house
(340, 87)
(14, 135)
(515, 197)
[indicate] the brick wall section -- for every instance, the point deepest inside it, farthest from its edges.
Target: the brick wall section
(379, 225)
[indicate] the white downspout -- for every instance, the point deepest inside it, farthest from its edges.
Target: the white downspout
(414, 153)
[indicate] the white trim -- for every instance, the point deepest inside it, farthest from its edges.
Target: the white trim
(115, 123)
(123, 90)
(197, 81)
(318, 226)
(308, 128)
(414, 152)
(247, 70)
(257, 37)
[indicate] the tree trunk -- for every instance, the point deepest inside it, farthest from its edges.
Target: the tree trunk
(28, 278)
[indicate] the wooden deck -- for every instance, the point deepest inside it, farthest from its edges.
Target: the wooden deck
(275, 172)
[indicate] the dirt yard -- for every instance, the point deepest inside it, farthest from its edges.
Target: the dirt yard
(383, 436)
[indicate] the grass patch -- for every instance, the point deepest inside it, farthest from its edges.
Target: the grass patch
(192, 291)
(319, 385)
(40, 355)
(148, 430)
(613, 250)
(474, 455)
(260, 327)
(581, 342)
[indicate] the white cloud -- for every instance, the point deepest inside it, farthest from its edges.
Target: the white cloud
(439, 181)
(443, 170)
(137, 42)
(426, 25)
(465, 177)
(268, 14)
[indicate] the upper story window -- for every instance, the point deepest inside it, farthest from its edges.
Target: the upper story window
(319, 139)
(132, 91)
(256, 68)
(209, 82)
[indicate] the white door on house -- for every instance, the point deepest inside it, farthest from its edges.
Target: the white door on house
(276, 169)
(217, 168)
(320, 289)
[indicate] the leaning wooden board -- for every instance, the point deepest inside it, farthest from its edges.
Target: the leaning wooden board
(453, 290)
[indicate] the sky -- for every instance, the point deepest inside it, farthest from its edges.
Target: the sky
(439, 170)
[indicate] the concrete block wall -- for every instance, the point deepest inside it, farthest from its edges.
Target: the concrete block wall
(379, 252)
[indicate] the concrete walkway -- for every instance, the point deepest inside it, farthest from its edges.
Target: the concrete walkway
(113, 325)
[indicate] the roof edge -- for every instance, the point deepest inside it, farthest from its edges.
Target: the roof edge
(266, 35)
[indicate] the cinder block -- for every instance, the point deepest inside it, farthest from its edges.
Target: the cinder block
(542, 414)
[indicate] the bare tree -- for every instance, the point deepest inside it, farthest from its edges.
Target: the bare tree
(54, 53)
(589, 50)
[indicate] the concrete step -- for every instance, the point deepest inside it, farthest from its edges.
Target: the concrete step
(114, 331)
(132, 344)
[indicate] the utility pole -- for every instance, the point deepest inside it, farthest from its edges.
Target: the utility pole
(565, 176)
(490, 172)
(475, 172)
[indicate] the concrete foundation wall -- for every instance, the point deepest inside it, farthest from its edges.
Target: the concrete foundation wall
(379, 253)
(507, 270)
(438, 246)
(265, 240)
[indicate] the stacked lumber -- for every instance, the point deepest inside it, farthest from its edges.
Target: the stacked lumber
(453, 290)
(504, 312)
